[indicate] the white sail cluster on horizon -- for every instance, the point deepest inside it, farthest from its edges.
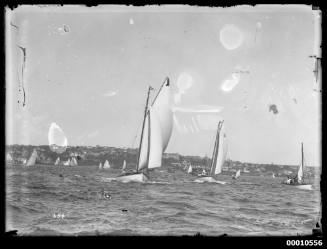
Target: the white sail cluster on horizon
(32, 160)
(157, 129)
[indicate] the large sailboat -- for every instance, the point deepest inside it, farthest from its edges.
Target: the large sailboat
(299, 180)
(155, 135)
(32, 160)
(218, 156)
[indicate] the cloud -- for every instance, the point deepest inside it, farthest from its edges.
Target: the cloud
(110, 94)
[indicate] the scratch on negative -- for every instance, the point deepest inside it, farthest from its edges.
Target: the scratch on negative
(23, 68)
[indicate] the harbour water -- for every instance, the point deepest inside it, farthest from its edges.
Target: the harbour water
(52, 200)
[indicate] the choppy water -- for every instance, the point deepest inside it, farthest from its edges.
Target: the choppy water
(40, 202)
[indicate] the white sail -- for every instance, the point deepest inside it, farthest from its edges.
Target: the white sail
(57, 161)
(100, 166)
(162, 107)
(106, 165)
(24, 161)
(273, 175)
(9, 158)
(238, 173)
(57, 139)
(156, 144)
(189, 169)
(75, 161)
(67, 163)
(220, 150)
(124, 165)
(300, 173)
(143, 160)
(32, 160)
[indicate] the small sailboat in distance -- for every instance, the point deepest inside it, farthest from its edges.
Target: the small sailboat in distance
(218, 156)
(124, 166)
(237, 174)
(298, 180)
(190, 169)
(106, 165)
(100, 165)
(57, 161)
(155, 135)
(67, 163)
(273, 175)
(32, 160)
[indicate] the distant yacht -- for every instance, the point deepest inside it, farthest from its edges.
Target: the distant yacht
(189, 171)
(298, 180)
(237, 174)
(106, 165)
(124, 166)
(32, 160)
(57, 161)
(155, 135)
(218, 155)
(273, 175)
(67, 163)
(100, 165)
(73, 162)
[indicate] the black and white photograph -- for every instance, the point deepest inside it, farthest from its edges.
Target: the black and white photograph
(163, 120)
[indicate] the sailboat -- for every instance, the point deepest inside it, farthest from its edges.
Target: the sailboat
(155, 135)
(67, 163)
(124, 166)
(298, 180)
(218, 155)
(32, 160)
(189, 171)
(57, 161)
(237, 174)
(106, 165)
(273, 175)
(73, 162)
(100, 165)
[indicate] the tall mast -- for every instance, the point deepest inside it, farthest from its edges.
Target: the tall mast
(145, 112)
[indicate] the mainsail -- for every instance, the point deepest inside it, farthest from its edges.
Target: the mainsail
(73, 162)
(57, 161)
(238, 173)
(67, 163)
(189, 169)
(9, 158)
(106, 165)
(219, 151)
(124, 165)
(300, 171)
(156, 130)
(32, 160)
(57, 139)
(100, 166)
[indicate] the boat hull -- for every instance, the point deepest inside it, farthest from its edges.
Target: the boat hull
(208, 179)
(138, 177)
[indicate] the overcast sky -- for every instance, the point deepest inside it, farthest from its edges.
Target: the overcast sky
(88, 70)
